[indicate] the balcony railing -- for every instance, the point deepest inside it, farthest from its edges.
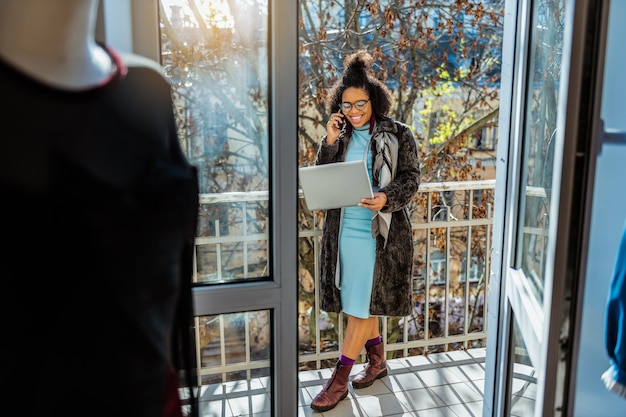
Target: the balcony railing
(452, 224)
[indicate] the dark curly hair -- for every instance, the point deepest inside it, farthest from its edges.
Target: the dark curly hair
(358, 73)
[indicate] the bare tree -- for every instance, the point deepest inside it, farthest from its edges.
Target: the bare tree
(216, 68)
(421, 49)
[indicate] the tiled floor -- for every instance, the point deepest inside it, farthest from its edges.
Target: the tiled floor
(438, 385)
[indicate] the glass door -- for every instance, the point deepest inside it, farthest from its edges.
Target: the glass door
(233, 69)
(542, 192)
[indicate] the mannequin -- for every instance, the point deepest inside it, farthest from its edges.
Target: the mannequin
(98, 222)
(53, 41)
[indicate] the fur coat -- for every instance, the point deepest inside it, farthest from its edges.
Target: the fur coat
(393, 268)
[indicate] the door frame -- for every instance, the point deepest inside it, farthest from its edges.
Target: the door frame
(133, 26)
(550, 331)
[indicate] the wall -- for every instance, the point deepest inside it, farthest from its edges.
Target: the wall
(607, 219)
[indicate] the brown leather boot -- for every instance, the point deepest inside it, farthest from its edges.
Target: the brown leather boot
(335, 390)
(375, 368)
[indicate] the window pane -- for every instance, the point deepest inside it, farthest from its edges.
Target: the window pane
(539, 137)
(523, 379)
(215, 55)
(234, 354)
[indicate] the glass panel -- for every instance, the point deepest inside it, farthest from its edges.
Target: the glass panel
(215, 54)
(478, 279)
(318, 330)
(523, 379)
(539, 136)
(448, 150)
(413, 327)
(234, 353)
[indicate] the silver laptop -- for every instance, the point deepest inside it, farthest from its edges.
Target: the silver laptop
(340, 184)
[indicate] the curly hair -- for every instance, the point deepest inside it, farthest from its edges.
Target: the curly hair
(358, 73)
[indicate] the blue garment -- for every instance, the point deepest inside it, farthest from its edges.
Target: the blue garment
(615, 330)
(357, 247)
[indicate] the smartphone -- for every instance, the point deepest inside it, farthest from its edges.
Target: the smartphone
(342, 123)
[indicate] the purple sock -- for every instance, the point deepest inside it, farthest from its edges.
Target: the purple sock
(346, 361)
(373, 341)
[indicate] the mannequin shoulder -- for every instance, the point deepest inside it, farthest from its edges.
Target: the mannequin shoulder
(138, 61)
(145, 76)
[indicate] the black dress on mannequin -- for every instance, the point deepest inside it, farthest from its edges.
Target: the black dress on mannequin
(97, 222)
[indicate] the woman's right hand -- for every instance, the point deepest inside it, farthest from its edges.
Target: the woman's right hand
(334, 126)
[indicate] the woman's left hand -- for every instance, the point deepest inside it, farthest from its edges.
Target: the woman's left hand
(375, 204)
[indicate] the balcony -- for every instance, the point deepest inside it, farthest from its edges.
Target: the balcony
(436, 355)
(448, 384)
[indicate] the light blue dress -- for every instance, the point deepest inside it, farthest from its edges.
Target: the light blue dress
(357, 247)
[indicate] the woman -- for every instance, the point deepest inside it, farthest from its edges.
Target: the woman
(367, 250)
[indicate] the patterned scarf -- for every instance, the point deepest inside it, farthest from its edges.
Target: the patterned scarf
(383, 171)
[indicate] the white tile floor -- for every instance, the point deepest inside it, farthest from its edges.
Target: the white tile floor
(438, 385)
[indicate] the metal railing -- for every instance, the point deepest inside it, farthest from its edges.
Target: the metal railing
(451, 224)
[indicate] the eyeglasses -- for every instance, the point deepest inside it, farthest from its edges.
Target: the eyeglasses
(360, 105)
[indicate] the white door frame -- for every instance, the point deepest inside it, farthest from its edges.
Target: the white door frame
(550, 330)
